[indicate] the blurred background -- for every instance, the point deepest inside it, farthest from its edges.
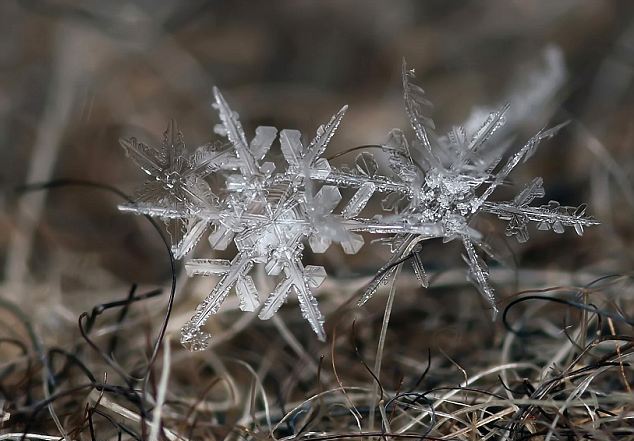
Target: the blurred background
(77, 76)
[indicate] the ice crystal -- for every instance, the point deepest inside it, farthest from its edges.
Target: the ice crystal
(435, 188)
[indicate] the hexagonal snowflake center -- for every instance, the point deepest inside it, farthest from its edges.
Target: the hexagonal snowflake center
(443, 196)
(172, 179)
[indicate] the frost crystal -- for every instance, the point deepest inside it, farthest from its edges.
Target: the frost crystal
(436, 187)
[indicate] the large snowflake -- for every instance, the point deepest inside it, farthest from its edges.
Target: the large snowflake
(436, 187)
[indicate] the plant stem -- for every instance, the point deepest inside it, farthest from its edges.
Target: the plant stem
(379, 351)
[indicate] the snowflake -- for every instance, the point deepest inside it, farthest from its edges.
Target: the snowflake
(436, 188)
(447, 181)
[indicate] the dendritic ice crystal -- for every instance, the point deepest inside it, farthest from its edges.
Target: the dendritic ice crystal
(434, 188)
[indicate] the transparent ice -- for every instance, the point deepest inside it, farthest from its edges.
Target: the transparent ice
(435, 187)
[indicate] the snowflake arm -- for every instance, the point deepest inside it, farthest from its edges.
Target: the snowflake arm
(400, 253)
(417, 107)
(322, 138)
(470, 152)
(479, 274)
(185, 234)
(149, 159)
(299, 280)
(307, 161)
(232, 129)
(524, 154)
(234, 272)
(551, 216)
